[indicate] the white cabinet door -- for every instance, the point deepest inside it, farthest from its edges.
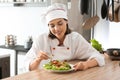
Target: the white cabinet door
(20, 62)
(12, 59)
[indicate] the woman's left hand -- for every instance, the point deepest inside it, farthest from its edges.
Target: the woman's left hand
(81, 66)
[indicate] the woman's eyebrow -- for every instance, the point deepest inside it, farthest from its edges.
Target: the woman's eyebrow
(59, 21)
(51, 24)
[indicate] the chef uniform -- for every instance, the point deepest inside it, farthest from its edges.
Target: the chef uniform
(74, 46)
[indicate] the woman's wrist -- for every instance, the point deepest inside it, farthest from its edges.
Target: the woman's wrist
(85, 64)
(82, 65)
(34, 64)
(38, 59)
(91, 63)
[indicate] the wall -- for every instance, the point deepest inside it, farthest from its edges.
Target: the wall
(106, 32)
(101, 29)
(25, 21)
(114, 38)
(20, 21)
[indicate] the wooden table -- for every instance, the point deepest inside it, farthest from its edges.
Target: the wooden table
(111, 71)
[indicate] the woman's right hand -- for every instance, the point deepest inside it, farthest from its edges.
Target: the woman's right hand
(42, 55)
(35, 63)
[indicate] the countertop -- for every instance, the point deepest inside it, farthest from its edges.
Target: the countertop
(16, 48)
(111, 71)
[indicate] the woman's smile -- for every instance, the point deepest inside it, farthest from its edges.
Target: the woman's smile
(58, 33)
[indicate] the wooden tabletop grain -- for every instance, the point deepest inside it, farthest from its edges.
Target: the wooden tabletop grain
(111, 71)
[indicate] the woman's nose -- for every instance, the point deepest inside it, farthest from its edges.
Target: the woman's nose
(57, 27)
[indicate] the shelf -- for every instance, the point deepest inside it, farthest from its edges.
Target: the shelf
(25, 4)
(16, 48)
(30, 4)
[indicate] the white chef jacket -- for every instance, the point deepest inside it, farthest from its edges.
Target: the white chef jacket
(75, 47)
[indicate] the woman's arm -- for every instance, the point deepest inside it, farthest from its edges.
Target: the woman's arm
(83, 65)
(35, 63)
(84, 50)
(34, 56)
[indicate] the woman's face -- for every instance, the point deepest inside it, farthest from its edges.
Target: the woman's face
(58, 27)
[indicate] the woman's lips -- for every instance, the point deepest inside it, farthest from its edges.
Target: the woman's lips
(58, 33)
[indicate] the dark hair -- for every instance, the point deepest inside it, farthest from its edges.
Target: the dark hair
(68, 31)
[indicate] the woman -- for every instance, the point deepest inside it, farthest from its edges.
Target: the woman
(62, 43)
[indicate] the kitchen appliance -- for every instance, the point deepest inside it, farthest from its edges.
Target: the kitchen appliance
(114, 53)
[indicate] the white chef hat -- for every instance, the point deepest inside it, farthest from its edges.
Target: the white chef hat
(57, 10)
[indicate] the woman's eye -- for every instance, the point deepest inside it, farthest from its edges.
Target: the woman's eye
(60, 23)
(52, 26)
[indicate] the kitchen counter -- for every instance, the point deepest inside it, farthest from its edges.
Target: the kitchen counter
(110, 71)
(4, 65)
(16, 48)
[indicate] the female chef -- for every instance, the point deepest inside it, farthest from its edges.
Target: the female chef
(62, 43)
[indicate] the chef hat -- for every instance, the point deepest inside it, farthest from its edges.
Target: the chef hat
(55, 11)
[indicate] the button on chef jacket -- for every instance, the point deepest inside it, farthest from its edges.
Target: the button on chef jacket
(74, 47)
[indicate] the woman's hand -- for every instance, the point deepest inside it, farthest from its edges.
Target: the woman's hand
(42, 56)
(81, 66)
(35, 63)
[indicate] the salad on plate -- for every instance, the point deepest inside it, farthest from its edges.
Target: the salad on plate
(58, 66)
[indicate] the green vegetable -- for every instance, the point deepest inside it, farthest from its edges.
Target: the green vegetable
(62, 66)
(48, 66)
(96, 45)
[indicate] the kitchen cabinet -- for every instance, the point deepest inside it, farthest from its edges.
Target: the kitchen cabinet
(4, 66)
(9, 53)
(20, 62)
(16, 50)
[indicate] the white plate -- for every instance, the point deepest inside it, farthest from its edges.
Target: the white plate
(61, 71)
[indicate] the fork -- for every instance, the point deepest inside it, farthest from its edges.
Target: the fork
(50, 56)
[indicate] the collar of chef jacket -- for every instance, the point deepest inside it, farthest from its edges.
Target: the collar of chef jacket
(67, 41)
